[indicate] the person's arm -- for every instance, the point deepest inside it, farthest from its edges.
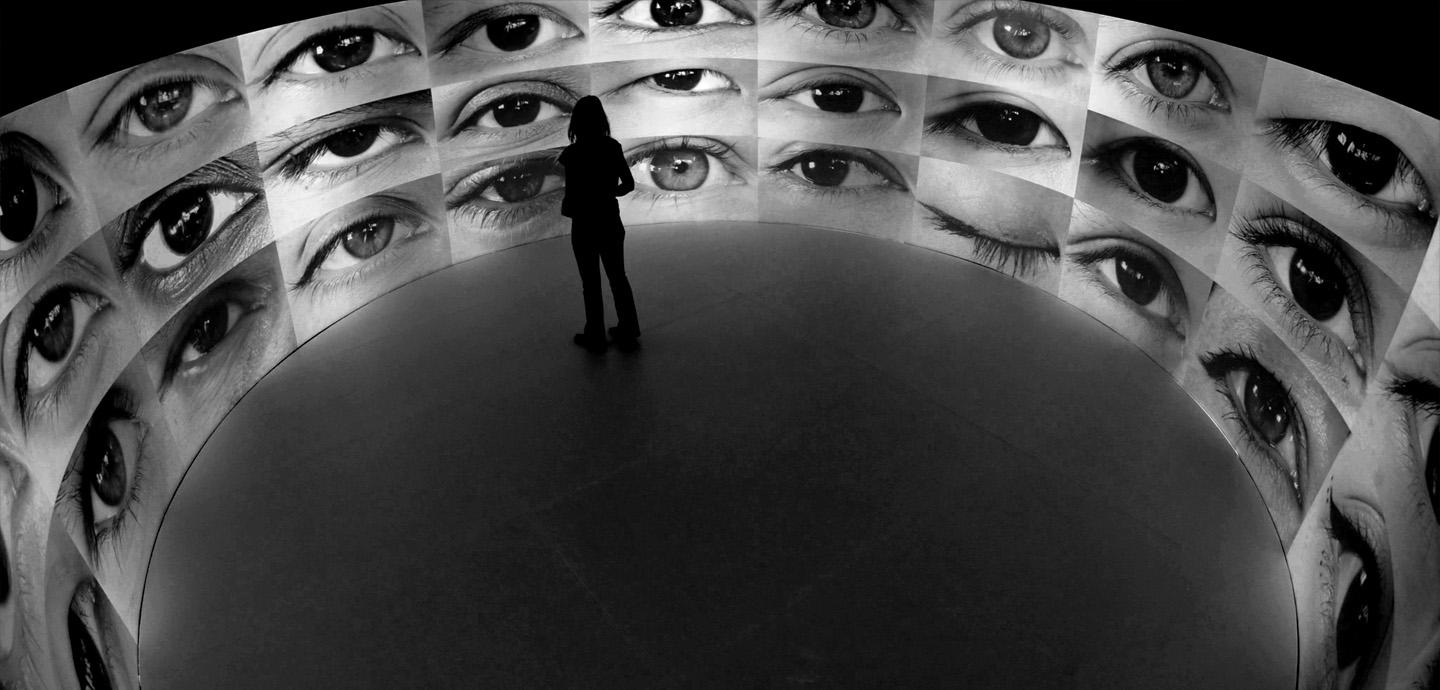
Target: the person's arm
(627, 181)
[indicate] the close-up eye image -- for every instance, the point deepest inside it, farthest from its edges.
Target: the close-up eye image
(494, 204)
(647, 98)
(212, 351)
(1132, 284)
(116, 485)
(884, 34)
(26, 500)
(508, 112)
(1157, 187)
(362, 250)
(336, 158)
(1279, 420)
(682, 178)
(1032, 138)
(61, 346)
(89, 645)
(308, 68)
(1020, 46)
(1367, 169)
(1331, 305)
(469, 39)
(143, 127)
(1367, 593)
(1198, 93)
(841, 105)
(965, 211)
(168, 247)
(842, 187)
(43, 210)
(636, 29)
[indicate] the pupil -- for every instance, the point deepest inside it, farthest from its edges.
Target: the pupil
(1432, 473)
(838, 98)
(520, 110)
(513, 33)
(1020, 34)
(1318, 286)
(676, 12)
(679, 169)
(352, 142)
(1007, 124)
(162, 107)
(848, 14)
(1137, 280)
(89, 663)
(679, 80)
(209, 328)
(518, 186)
(1266, 407)
(19, 201)
(185, 220)
(52, 335)
(1363, 160)
(1356, 626)
(1174, 75)
(823, 170)
(1161, 174)
(105, 468)
(370, 238)
(341, 51)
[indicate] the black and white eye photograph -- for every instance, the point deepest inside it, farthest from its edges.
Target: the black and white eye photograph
(719, 344)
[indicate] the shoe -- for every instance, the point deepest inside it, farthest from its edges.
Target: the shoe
(594, 345)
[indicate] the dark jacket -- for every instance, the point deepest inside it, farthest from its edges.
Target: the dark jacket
(595, 173)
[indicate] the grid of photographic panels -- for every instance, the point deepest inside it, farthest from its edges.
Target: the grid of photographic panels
(1264, 233)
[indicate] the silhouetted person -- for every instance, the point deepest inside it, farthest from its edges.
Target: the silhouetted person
(596, 173)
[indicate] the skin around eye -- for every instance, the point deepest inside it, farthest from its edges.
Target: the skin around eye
(1025, 137)
(1365, 163)
(647, 18)
(690, 178)
(1171, 76)
(38, 212)
(494, 36)
(681, 165)
(90, 646)
(1020, 45)
(497, 204)
(511, 111)
(1159, 174)
(102, 483)
(842, 187)
(679, 96)
(338, 50)
(878, 33)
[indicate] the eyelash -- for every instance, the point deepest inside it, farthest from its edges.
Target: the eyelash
(795, 12)
(1269, 231)
(288, 61)
(1220, 366)
(461, 32)
(1015, 259)
(116, 406)
(860, 157)
(295, 165)
(1169, 283)
(111, 132)
(725, 153)
(618, 6)
(1108, 156)
(367, 265)
(1005, 65)
(82, 345)
(513, 213)
(1301, 136)
(246, 296)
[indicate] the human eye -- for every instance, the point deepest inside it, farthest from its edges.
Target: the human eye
(1171, 76)
(1361, 165)
(358, 141)
(1363, 596)
(1129, 270)
(34, 201)
(209, 327)
(1306, 278)
(56, 338)
(693, 81)
(1265, 417)
(336, 50)
(514, 31)
(102, 483)
(1421, 397)
(95, 650)
(176, 237)
(655, 18)
(838, 171)
(1017, 255)
(345, 246)
(841, 93)
(515, 112)
(167, 104)
(674, 167)
(846, 20)
(1026, 39)
(502, 198)
(999, 121)
(1158, 174)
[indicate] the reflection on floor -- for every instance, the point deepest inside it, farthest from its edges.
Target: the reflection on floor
(836, 461)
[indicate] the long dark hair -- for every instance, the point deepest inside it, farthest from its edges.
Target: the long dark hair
(587, 120)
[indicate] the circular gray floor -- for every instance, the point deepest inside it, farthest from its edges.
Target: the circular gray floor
(837, 461)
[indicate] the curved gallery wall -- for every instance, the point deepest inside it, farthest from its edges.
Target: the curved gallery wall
(1264, 233)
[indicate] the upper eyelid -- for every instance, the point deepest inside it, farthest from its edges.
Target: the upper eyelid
(333, 226)
(477, 101)
(289, 59)
(733, 6)
(398, 29)
(1138, 49)
(1106, 149)
(491, 169)
(462, 30)
(224, 173)
(907, 10)
(969, 15)
(183, 65)
(406, 107)
(860, 155)
(801, 82)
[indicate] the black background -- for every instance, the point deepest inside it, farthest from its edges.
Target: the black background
(1390, 47)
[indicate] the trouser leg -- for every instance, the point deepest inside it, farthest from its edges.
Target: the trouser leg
(612, 253)
(587, 259)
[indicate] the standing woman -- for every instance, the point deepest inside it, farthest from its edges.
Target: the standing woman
(595, 174)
